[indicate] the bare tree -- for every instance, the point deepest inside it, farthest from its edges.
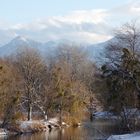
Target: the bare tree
(32, 69)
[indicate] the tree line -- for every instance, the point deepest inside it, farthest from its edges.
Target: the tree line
(54, 85)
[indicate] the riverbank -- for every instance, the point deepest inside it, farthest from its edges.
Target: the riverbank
(22, 127)
(33, 126)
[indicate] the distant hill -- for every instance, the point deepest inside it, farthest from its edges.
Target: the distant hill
(20, 42)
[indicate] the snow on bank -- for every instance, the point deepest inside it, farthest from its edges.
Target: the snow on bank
(30, 126)
(54, 122)
(130, 112)
(104, 115)
(134, 136)
(3, 132)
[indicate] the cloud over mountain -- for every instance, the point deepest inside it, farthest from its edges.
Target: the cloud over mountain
(88, 26)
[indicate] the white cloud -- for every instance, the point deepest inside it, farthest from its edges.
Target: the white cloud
(94, 16)
(126, 12)
(76, 17)
(79, 26)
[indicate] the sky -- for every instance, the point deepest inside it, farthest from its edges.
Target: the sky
(87, 21)
(27, 10)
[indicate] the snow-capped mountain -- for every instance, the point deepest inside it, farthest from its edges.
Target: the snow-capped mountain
(21, 42)
(17, 44)
(49, 47)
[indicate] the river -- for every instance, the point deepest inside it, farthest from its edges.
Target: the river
(96, 130)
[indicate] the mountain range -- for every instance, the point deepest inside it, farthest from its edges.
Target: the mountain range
(20, 42)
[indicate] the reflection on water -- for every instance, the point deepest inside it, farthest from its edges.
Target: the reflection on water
(98, 129)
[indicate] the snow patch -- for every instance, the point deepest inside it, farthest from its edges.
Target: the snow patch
(134, 136)
(3, 132)
(104, 115)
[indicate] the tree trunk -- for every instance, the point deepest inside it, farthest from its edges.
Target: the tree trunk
(91, 116)
(60, 117)
(29, 112)
(45, 116)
